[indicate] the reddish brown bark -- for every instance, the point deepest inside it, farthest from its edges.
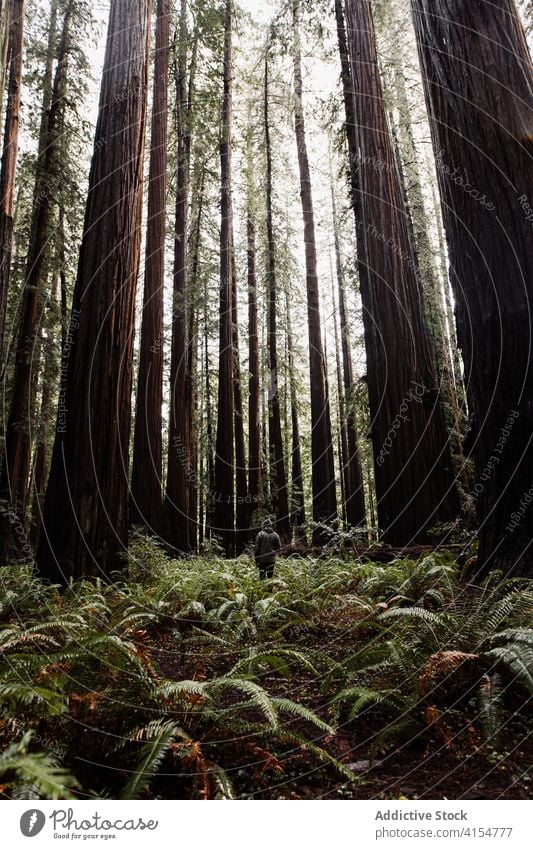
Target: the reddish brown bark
(85, 517)
(180, 467)
(146, 479)
(14, 42)
(224, 494)
(297, 505)
(323, 469)
(353, 475)
(254, 391)
(241, 483)
(479, 91)
(278, 475)
(413, 471)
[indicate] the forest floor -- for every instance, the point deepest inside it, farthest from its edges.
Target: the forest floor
(338, 679)
(449, 761)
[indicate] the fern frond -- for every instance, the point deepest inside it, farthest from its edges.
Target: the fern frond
(258, 697)
(257, 661)
(519, 661)
(159, 737)
(301, 712)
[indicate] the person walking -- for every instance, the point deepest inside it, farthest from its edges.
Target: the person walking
(267, 545)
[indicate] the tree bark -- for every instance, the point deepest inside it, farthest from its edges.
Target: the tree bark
(354, 492)
(297, 506)
(241, 483)
(224, 495)
(254, 391)
(86, 507)
(414, 478)
(323, 469)
(179, 438)
(147, 469)
(278, 475)
(9, 159)
(479, 92)
(40, 460)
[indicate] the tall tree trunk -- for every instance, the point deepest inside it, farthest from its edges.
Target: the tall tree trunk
(224, 459)
(147, 465)
(210, 463)
(5, 29)
(14, 481)
(414, 478)
(342, 440)
(179, 436)
(195, 347)
(435, 318)
(355, 499)
(323, 468)
(350, 129)
(40, 461)
(9, 158)
(297, 508)
(241, 512)
(265, 465)
(86, 507)
(254, 391)
(278, 475)
(480, 101)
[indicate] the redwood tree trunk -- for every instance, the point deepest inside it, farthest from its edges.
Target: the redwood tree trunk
(297, 509)
(241, 483)
(278, 475)
(414, 478)
(146, 479)
(323, 469)
(9, 157)
(479, 91)
(254, 391)
(179, 435)
(354, 491)
(40, 458)
(224, 496)
(85, 516)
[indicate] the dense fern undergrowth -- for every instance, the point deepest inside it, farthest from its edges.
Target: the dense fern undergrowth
(193, 679)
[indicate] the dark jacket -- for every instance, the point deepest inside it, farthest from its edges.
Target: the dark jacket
(267, 545)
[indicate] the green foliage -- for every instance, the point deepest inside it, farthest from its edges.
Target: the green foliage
(195, 679)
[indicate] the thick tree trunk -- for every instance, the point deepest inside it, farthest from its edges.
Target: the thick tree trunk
(323, 469)
(179, 437)
(147, 470)
(414, 477)
(86, 507)
(433, 306)
(14, 39)
(354, 492)
(479, 91)
(14, 481)
(5, 28)
(224, 495)
(278, 475)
